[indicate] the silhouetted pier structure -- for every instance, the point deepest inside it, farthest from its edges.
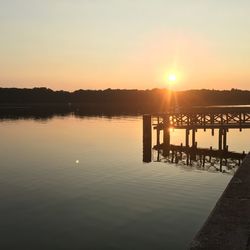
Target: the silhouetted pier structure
(191, 122)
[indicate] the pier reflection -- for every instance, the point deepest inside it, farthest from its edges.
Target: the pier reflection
(199, 158)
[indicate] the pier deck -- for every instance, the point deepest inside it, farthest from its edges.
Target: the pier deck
(204, 120)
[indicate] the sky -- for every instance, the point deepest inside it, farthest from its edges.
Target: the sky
(127, 44)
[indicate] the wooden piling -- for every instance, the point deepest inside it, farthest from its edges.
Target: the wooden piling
(187, 137)
(158, 132)
(147, 138)
(220, 139)
(193, 137)
(166, 135)
(224, 139)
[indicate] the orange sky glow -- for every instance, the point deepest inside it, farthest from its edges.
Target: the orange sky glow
(95, 45)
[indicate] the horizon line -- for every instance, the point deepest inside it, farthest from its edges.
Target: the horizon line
(124, 89)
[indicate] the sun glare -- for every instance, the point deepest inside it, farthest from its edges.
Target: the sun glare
(172, 77)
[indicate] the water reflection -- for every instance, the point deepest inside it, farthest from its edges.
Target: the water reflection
(201, 159)
(46, 112)
(110, 200)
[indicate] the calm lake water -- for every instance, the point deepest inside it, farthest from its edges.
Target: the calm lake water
(80, 183)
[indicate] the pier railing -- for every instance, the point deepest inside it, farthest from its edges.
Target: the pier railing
(203, 120)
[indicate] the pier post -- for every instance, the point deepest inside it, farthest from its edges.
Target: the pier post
(158, 132)
(166, 135)
(193, 138)
(220, 139)
(212, 122)
(194, 146)
(225, 139)
(187, 137)
(147, 138)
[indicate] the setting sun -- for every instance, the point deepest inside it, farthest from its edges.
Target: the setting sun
(172, 77)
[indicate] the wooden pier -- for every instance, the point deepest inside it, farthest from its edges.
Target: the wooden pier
(191, 122)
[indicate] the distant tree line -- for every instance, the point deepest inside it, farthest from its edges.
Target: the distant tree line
(155, 99)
